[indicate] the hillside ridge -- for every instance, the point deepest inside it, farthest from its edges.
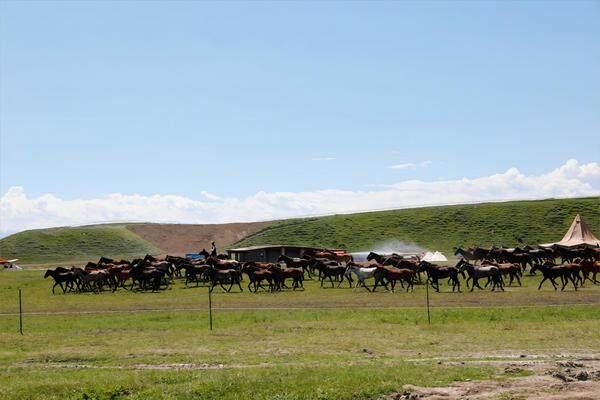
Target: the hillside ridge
(433, 227)
(442, 228)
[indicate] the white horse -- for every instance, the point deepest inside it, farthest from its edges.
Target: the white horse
(362, 274)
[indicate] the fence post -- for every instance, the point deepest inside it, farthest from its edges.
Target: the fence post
(210, 306)
(427, 294)
(20, 313)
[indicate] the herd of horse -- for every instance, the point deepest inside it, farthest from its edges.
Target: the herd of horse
(475, 266)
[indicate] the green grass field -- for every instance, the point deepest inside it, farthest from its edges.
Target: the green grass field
(74, 244)
(312, 344)
(440, 228)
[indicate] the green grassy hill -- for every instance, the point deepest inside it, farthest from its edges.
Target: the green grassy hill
(439, 228)
(74, 243)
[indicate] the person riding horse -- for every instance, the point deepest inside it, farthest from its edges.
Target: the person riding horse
(213, 249)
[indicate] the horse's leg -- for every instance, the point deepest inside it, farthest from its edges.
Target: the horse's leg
(358, 283)
(542, 281)
(565, 281)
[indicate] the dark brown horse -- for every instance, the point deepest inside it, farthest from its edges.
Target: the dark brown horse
(281, 274)
(61, 276)
(332, 273)
(436, 272)
(224, 276)
(550, 272)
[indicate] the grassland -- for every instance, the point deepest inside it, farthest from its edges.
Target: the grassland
(439, 228)
(315, 344)
(75, 244)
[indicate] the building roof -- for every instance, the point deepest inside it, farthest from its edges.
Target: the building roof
(276, 246)
(579, 233)
(270, 246)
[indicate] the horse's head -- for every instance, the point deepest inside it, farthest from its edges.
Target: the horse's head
(461, 265)
(423, 265)
(458, 251)
(48, 273)
(372, 256)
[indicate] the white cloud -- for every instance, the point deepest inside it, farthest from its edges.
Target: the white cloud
(323, 158)
(209, 196)
(19, 212)
(410, 165)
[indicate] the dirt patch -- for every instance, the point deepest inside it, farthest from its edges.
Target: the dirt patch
(557, 380)
(178, 239)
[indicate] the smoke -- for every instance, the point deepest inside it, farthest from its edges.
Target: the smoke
(397, 246)
(390, 246)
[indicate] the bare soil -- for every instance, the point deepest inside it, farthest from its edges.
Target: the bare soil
(571, 378)
(178, 239)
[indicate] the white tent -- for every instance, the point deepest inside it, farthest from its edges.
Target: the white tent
(434, 257)
(579, 233)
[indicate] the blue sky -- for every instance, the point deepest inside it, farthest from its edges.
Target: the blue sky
(177, 98)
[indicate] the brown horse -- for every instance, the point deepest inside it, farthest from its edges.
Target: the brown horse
(513, 271)
(590, 267)
(394, 275)
(218, 263)
(256, 275)
(95, 280)
(281, 274)
(330, 255)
